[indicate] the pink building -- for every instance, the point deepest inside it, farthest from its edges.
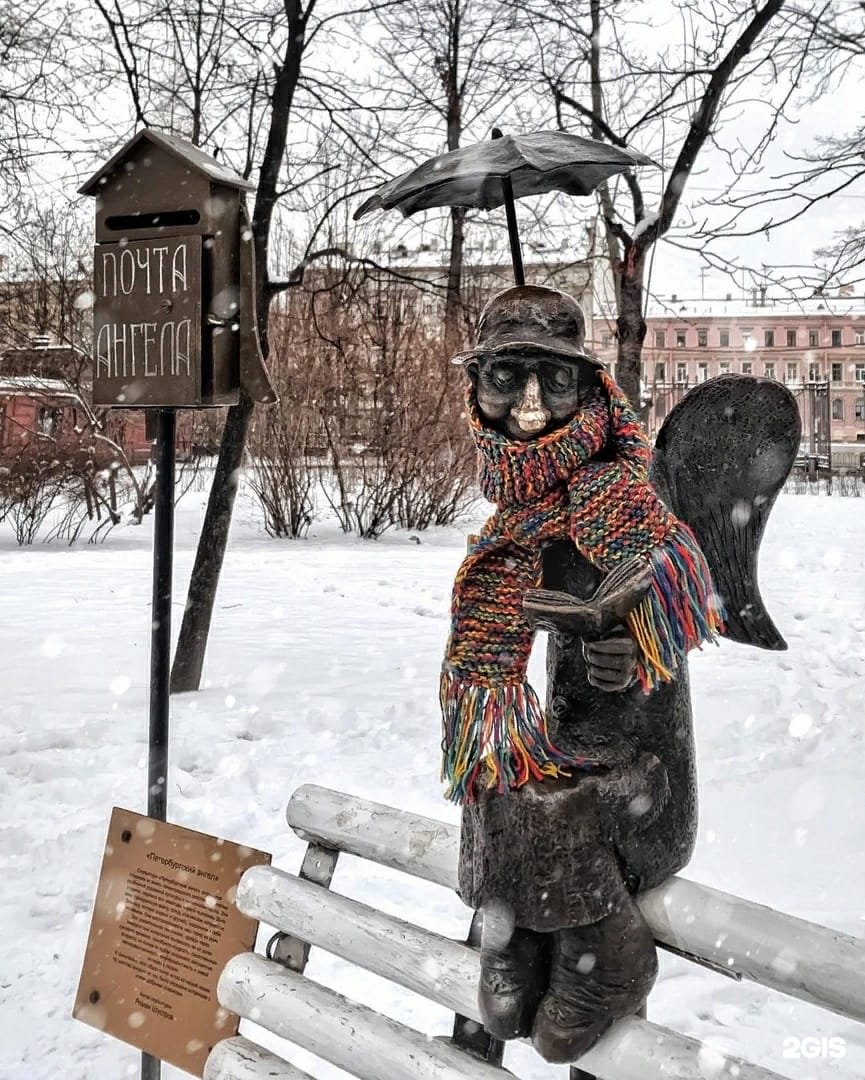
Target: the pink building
(815, 346)
(42, 398)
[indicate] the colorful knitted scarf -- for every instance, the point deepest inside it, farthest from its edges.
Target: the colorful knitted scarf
(495, 734)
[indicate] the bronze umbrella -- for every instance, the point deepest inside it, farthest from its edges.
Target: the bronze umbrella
(501, 170)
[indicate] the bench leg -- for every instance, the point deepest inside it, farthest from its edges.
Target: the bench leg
(318, 866)
(151, 1067)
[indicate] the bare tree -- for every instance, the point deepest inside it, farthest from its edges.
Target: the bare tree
(445, 63)
(616, 77)
(227, 73)
(194, 630)
(44, 289)
(810, 178)
(374, 409)
(34, 94)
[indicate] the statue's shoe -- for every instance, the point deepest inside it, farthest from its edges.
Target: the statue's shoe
(599, 974)
(513, 981)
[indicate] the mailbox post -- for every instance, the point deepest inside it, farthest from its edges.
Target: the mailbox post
(174, 327)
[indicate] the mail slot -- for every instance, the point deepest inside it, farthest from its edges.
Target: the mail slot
(174, 292)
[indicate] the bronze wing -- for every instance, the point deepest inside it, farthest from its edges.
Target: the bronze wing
(721, 457)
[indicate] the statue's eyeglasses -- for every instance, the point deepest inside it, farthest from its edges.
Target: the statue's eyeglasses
(508, 374)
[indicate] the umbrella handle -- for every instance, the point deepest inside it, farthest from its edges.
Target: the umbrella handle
(511, 215)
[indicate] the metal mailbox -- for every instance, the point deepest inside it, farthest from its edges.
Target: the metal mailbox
(174, 306)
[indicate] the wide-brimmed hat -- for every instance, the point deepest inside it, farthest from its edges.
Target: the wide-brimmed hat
(531, 318)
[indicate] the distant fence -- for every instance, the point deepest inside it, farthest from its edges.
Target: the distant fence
(848, 459)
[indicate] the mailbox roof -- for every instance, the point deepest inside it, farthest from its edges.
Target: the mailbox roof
(193, 156)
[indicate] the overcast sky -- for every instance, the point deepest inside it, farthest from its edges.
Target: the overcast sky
(672, 269)
(677, 271)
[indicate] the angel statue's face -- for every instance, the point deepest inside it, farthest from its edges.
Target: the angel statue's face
(526, 395)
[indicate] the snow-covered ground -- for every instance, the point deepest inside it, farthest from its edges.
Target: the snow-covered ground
(323, 667)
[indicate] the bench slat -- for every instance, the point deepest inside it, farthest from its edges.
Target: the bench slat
(240, 1059)
(420, 846)
(799, 958)
(796, 957)
(434, 966)
(447, 972)
(363, 1042)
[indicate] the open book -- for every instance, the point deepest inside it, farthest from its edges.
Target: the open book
(617, 595)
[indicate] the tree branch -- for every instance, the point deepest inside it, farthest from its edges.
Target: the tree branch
(701, 125)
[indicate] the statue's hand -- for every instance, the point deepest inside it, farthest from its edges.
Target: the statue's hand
(611, 663)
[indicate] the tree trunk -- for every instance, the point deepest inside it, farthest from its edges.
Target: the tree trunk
(454, 301)
(630, 324)
(195, 627)
(194, 630)
(450, 76)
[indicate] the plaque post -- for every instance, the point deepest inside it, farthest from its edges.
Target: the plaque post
(160, 640)
(160, 637)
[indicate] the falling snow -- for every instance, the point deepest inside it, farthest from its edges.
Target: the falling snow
(323, 668)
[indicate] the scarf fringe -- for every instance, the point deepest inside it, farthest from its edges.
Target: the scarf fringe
(499, 731)
(680, 613)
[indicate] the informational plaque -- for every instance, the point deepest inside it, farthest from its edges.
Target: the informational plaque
(164, 926)
(147, 323)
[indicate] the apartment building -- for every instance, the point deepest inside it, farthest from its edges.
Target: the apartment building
(487, 269)
(815, 346)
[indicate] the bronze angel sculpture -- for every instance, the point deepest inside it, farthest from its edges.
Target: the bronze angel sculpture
(630, 558)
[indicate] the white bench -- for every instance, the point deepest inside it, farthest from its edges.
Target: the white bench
(742, 939)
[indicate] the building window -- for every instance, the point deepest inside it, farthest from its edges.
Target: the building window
(702, 338)
(606, 341)
(48, 421)
(680, 339)
(814, 373)
(837, 373)
(747, 367)
(769, 338)
(724, 367)
(725, 339)
(660, 373)
(859, 410)
(791, 372)
(860, 337)
(770, 371)
(860, 373)
(791, 339)
(837, 408)
(813, 339)
(681, 373)
(836, 338)
(660, 339)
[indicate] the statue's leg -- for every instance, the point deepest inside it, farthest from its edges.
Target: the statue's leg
(598, 974)
(544, 858)
(513, 981)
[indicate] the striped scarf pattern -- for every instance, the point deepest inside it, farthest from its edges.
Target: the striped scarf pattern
(494, 731)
